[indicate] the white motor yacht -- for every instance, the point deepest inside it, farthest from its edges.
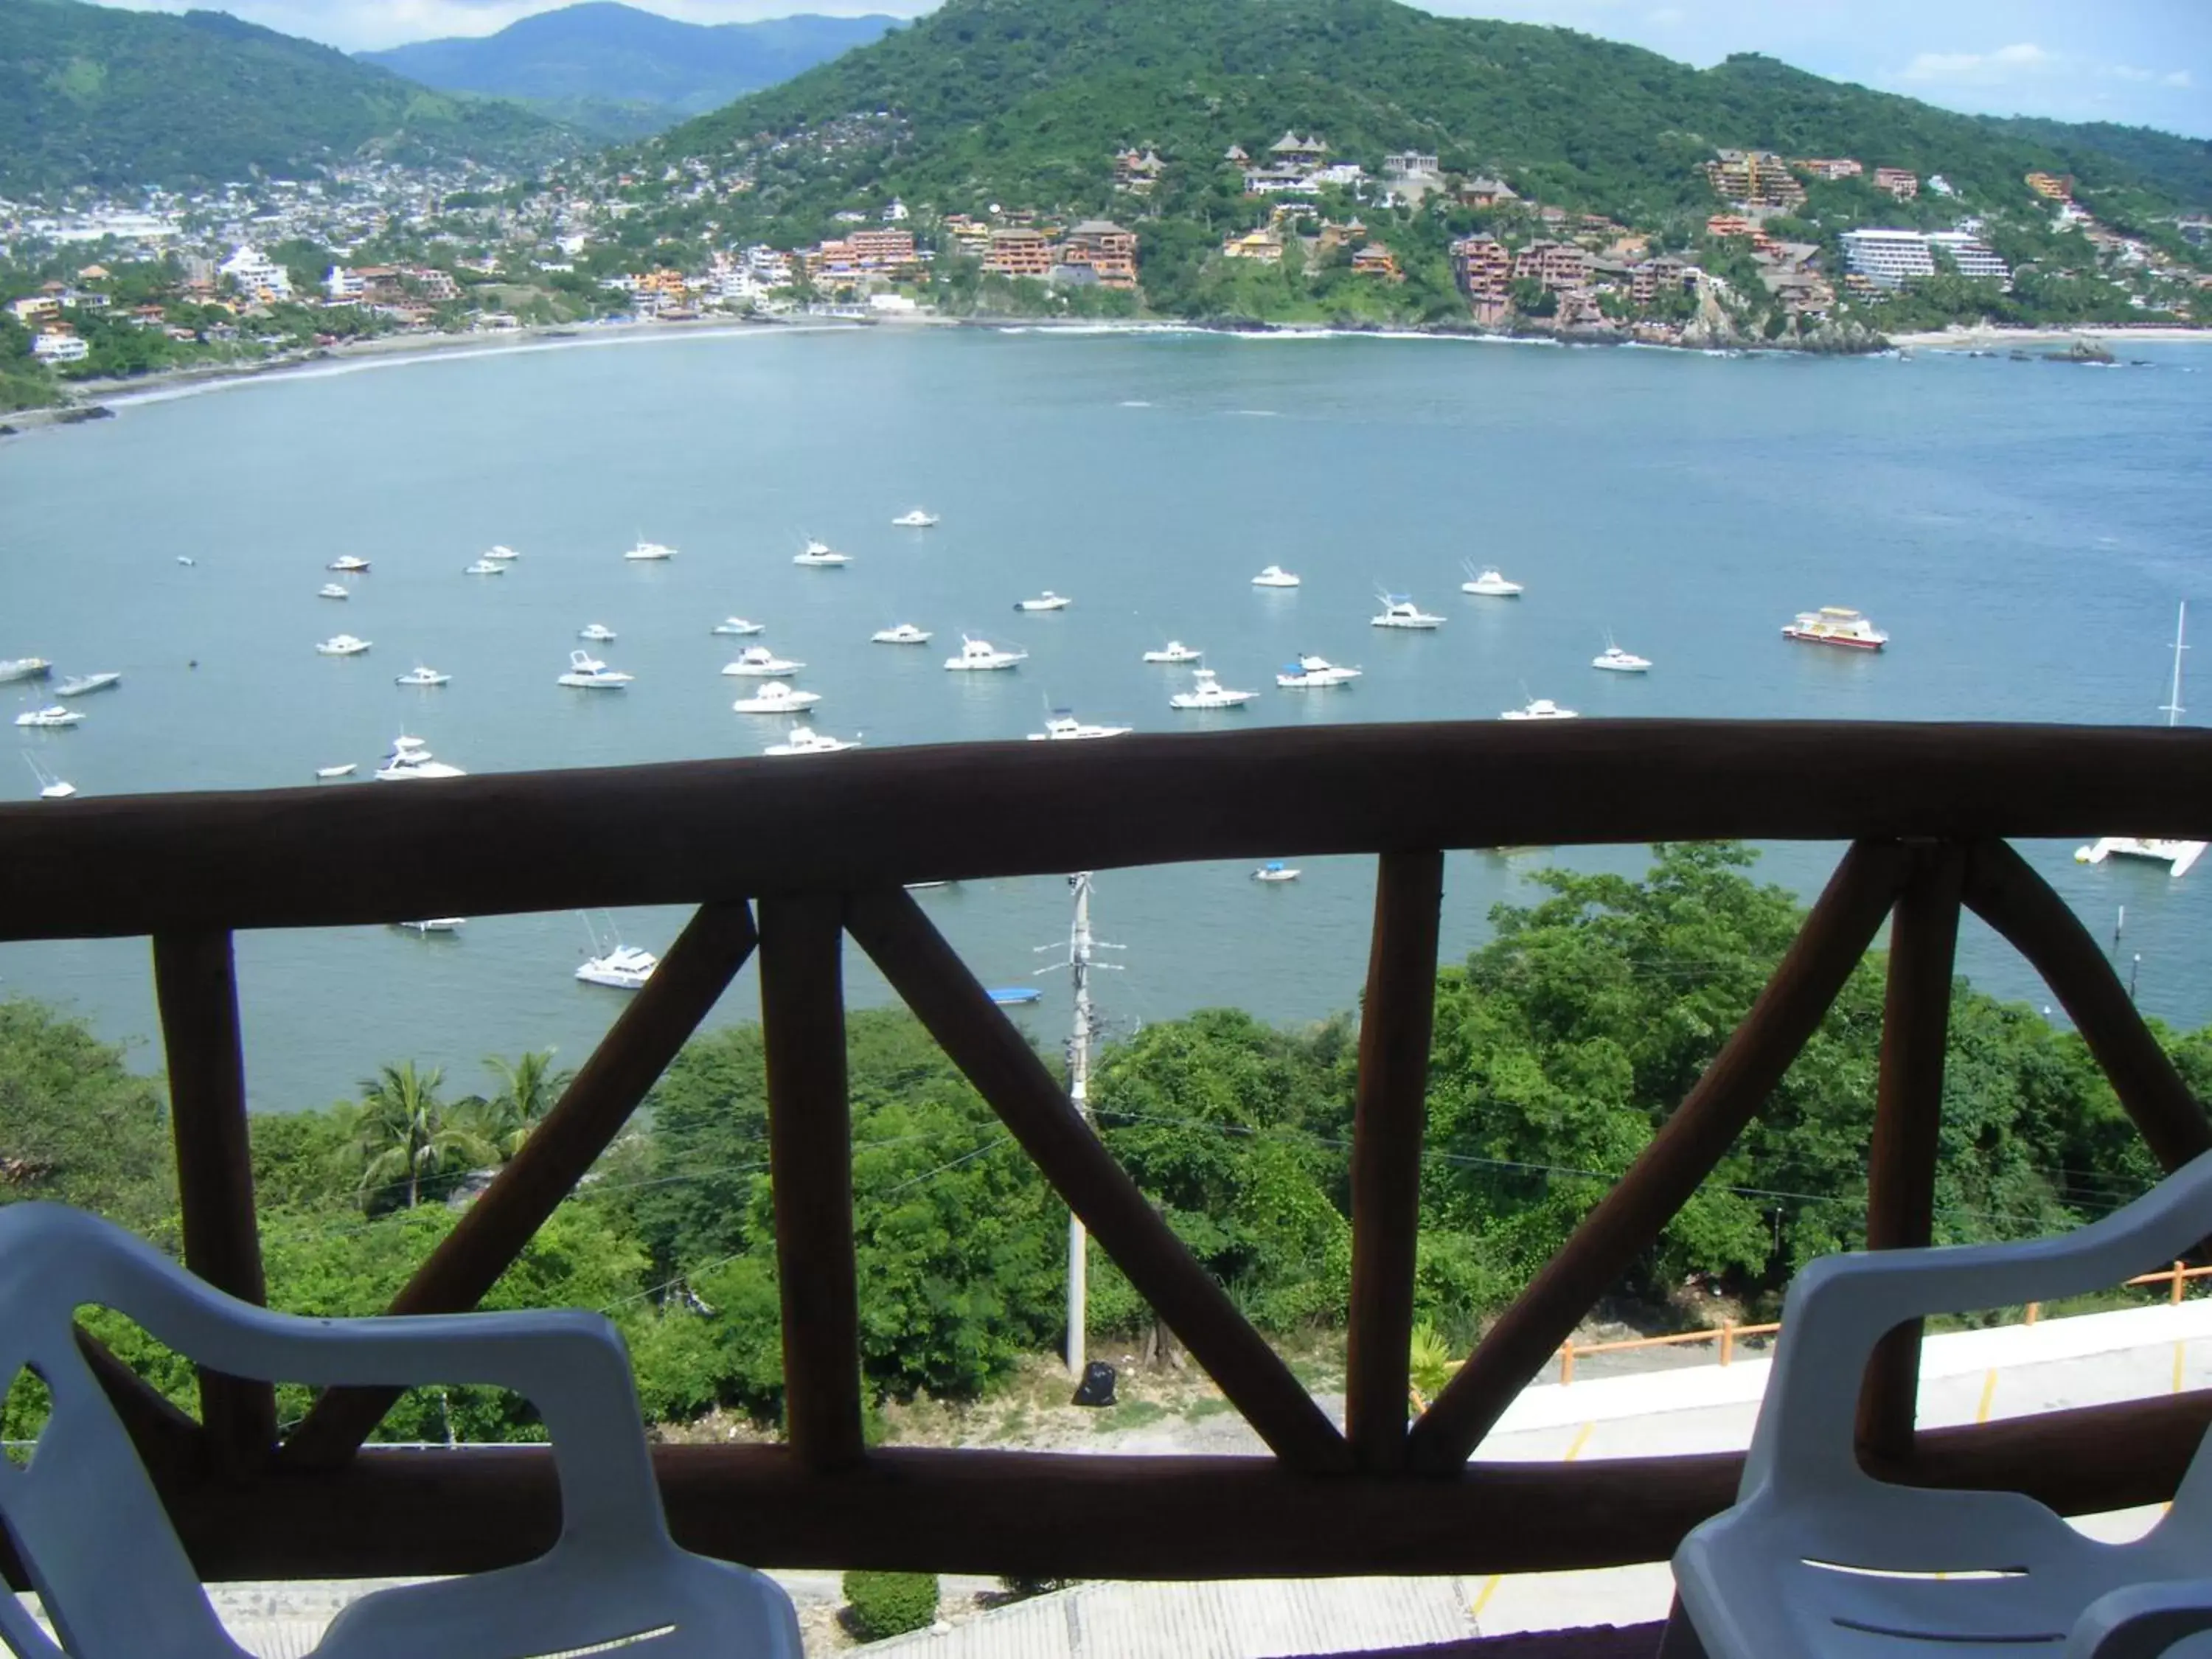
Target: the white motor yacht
(1619, 661)
(738, 625)
(588, 673)
(905, 634)
(24, 668)
(1489, 582)
(775, 697)
(502, 552)
(411, 757)
(1312, 673)
(334, 591)
(1061, 726)
(83, 685)
(420, 675)
(484, 568)
(822, 556)
(1276, 870)
(342, 644)
(805, 740)
(980, 656)
(1832, 625)
(52, 715)
(51, 786)
(430, 925)
(1399, 611)
(1207, 692)
(916, 519)
(344, 771)
(625, 968)
(349, 563)
(1046, 600)
(1173, 651)
(759, 662)
(1540, 708)
(646, 550)
(598, 632)
(1274, 576)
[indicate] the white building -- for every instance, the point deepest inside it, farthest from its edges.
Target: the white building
(1890, 259)
(252, 271)
(1972, 255)
(58, 349)
(343, 284)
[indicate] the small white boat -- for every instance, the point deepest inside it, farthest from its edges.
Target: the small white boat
(349, 563)
(916, 519)
(345, 771)
(52, 715)
(588, 673)
(598, 632)
(2179, 856)
(1061, 726)
(1207, 692)
(805, 740)
(1489, 582)
(822, 556)
(625, 968)
(1173, 651)
(334, 591)
(83, 685)
(1399, 611)
(1832, 625)
(411, 757)
(980, 656)
(24, 668)
(1310, 674)
(51, 787)
(738, 625)
(342, 644)
(485, 567)
(905, 634)
(775, 697)
(1276, 870)
(1274, 576)
(1540, 708)
(186, 558)
(502, 553)
(420, 675)
(759, 662)
(430, 925)
(646, 550)
(1619, 661)
(1046, 600)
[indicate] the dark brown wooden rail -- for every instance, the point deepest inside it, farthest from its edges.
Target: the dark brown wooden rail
(821, 847)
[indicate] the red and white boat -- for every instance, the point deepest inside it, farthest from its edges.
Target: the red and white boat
(1833, 625)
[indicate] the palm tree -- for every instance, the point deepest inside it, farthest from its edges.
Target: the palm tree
(406, 1131)
(528, 1088)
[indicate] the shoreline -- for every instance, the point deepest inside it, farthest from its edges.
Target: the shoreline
(1995, 336)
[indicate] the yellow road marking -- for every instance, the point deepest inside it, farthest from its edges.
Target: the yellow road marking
(1583, 1439)
(2177, 1368)
(1490, 1584)
(1989, 1392)
(1482, 1601)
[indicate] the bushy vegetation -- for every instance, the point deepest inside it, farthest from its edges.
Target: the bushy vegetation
(884, 1604)
(1560, 1048)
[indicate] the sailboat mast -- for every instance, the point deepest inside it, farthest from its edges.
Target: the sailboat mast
(2173, 710)
(1079, 1095)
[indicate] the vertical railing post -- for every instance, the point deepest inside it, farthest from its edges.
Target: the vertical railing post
(1728, 1342)
(2180, 1281)
(194, 983)
(1908, 1123)
(811, 1166)
(1388, 1116)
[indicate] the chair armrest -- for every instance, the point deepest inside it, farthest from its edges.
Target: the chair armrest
(2141, 1621)
(1840, 1307)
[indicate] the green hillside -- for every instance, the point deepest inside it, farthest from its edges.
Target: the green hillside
(96, 95)
(1027, 100)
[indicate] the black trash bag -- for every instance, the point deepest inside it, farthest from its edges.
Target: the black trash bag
(1097, 1388)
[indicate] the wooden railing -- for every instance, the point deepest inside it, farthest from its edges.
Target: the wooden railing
(791, 857)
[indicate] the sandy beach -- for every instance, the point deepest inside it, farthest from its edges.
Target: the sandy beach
(1995, 338)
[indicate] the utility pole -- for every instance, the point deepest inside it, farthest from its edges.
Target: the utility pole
(1081, 961)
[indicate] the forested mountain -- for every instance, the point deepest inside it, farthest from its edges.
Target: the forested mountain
(626, 71)
(1027, 101)
(98, 96)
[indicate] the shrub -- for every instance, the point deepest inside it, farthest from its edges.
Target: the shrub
(890, 1603)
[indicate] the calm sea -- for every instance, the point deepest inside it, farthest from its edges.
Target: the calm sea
(2023, 529)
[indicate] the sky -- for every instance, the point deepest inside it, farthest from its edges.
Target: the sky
(2145, 62)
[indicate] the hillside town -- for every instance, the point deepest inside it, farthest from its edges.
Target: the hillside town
(109, 287)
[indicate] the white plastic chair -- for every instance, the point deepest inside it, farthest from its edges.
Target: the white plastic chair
(112, 1578)
(1819, 1558)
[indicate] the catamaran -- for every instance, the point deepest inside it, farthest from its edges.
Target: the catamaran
(2178, 855)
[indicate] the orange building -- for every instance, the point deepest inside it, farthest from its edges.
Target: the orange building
(1901, 182)
(1019, 254)
(2051, 187)
(1375, 260)
(1729, 224)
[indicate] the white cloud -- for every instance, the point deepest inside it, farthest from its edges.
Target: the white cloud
(2006, 63)
(1665, 16)
(2179, 78)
